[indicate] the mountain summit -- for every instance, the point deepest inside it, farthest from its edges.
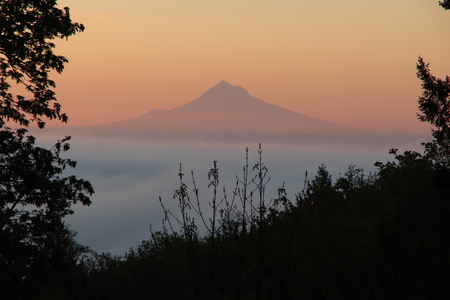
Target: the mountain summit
(229, 100)
(230, 108)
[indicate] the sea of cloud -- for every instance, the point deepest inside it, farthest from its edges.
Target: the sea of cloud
(130, 176)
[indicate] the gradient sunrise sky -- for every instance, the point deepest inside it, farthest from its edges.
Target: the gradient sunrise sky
(350, 61)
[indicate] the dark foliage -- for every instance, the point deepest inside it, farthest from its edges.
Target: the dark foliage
(434, 102)
(445, 4)
(26, 58)
(37, 251)
(382, 236)
(39, 258)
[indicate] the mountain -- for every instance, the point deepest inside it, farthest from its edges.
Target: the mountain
(229, 108)
(228, 114)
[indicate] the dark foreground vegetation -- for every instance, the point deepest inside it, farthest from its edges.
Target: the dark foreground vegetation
(361, 236)
(375, 236)
(383, 236)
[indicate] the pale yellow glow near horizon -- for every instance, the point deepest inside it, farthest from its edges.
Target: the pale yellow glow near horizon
(350, 62)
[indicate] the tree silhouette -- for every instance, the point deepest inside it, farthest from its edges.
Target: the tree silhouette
(38, 257)
(435, 107)
(445, 4)
(434, 102)
(26, 58)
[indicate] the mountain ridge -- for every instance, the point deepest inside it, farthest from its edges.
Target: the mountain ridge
(226, 107)
(229, 114)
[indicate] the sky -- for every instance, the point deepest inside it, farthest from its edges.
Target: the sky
(351, 62)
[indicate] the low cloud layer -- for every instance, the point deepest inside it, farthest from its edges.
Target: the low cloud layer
(129, 177)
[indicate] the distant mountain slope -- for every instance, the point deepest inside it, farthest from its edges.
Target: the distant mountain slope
(228, 114)
(229, 108)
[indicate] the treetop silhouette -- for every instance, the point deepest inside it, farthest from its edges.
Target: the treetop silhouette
(39, 259)
(27, 58)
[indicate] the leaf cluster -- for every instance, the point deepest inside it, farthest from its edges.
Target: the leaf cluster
(34, 199)
(39, 258)
(434, 102)
(445, 4)
(27, 31)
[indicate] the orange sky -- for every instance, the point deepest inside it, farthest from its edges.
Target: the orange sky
(349, 61)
